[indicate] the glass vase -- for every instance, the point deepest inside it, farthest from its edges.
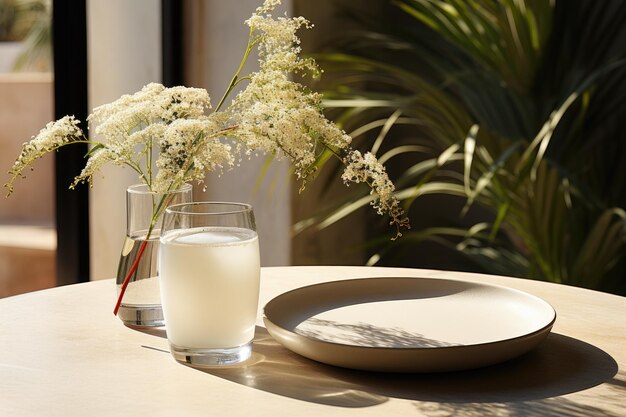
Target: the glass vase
(141, 302)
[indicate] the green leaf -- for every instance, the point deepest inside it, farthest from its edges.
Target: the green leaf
(93, 149)
(470, 145)
(383, 132)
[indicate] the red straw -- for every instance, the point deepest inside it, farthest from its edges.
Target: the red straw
(127, 279)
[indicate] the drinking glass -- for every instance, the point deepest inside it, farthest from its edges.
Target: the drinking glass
(209, 268)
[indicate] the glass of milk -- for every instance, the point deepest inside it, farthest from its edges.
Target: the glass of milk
(209, 269)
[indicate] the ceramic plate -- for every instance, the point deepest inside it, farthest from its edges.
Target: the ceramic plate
(408, 324)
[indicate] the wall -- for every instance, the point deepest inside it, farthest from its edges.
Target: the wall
(25, 108)
(27, 233)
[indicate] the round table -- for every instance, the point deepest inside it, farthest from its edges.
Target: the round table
(63, 353)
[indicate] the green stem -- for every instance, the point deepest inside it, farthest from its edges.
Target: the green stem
(138, 170)
(88, 142)
(149, 164)
(240, 79)
(233, 82)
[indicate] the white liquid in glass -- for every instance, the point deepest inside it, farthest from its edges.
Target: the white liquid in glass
(210, 286)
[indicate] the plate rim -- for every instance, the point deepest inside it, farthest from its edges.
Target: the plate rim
(544, 329)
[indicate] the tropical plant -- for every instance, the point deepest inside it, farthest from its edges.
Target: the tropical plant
(35, 19)
(516, 107)
(30, 22)
(8, 13)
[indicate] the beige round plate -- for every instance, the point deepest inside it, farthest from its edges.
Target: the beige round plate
(408, 324)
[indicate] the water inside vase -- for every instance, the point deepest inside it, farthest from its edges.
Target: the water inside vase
(141, 304)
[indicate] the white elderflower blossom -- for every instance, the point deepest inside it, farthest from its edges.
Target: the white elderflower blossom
(275, 114)
(267, 7)
(272, 114)
(367, 169)
(190, 148)
(153, 104)
(99, 157)
(55, 135)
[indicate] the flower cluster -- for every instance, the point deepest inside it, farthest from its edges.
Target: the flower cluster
(55, 135)
(273, 114)
(367, 169)
(188, 149)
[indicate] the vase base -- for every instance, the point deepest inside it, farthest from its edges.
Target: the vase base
(199, 357)
(142, 316)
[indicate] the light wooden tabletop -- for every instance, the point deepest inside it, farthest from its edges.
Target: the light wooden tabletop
(63, 353)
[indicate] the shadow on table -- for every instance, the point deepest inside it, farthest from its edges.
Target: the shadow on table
(152, 331)
(559, 366)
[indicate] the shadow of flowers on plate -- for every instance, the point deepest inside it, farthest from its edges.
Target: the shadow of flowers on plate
(365, 334)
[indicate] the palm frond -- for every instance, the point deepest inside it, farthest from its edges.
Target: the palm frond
(514, 107)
